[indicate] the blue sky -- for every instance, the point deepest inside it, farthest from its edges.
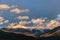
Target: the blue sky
(38, 9)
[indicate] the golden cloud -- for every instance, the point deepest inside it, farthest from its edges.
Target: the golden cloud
(14, 10)
(4, 6)
(22, 17)
(17, 10)
(13, 26)
(24, 22)
(39, 24)
(1, 23)
(52, 24)
(38, 20)
(2, 20)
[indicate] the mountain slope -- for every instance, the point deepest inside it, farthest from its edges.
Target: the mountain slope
(27, 35)
(13, 36)
(51, 33)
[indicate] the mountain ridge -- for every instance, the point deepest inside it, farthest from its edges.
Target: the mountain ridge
(14, 36)
(29, 33)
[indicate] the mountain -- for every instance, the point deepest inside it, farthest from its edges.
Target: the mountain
(27, 32)
(55, 32)
(14, 36)
(24, 34)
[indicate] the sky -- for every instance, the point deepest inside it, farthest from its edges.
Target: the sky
(30, 13)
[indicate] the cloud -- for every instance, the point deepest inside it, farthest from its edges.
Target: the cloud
(24, 22)
(2, 20)
(52, 24)
(26, 10)
(22, 17)
(13, 8)
(58, 17)
(17, 10)
(1, 23)
(38, 20)
(6, 21)
(39, 24)
(13, 26)
(21, 24)
(42, 24)
(4, 6)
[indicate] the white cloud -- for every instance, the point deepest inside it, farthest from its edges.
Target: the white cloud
(58, 17)
(13, 8)
(12, 26)
(26, 10)
(22, 17)
(4, 6)
(52, 24)
(21, 24)
(17, 10)
(24, 22)
(6, 21)
(2, 20)
(39, 23)
(38, 20)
